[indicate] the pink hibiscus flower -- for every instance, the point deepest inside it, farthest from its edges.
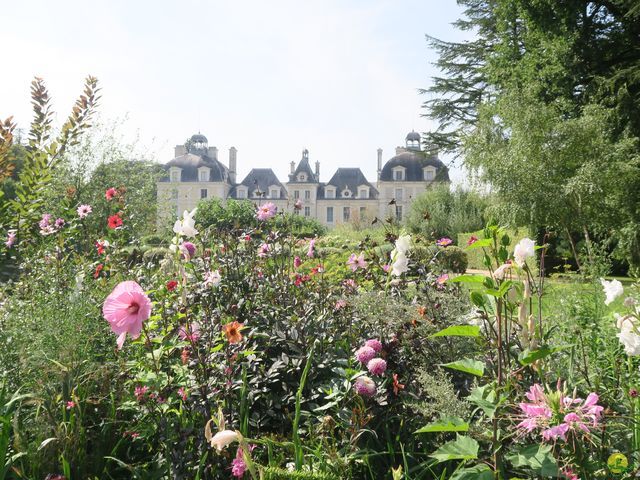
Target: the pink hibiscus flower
(125, 309)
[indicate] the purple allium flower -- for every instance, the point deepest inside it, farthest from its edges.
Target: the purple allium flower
(365, 386)
(377, 366)
(84, 210)
(364, 354)
(11, 239)
(266, 211)
(189, 248)
(374, 343)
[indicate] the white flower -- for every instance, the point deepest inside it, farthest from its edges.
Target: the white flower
(403, 243)
(501, 271)
(400, 263)
(212, 278)
(523, 250)
(186, 227)
(612, 290)
(629, 338)
(224, 438)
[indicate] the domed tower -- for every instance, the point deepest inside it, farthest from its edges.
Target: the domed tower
(413, 141)
(198, 144)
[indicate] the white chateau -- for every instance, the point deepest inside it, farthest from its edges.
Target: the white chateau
(196, 174)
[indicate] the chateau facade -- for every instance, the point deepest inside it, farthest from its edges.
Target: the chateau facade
(197, 174)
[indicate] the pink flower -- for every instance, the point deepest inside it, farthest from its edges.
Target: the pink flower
(386, 267)
(183, 394)
(110, 193)
(312, 248)
(190, 333)
(188, 249)
(11, 239)
(365, 386)
(473, 239)
(46, 225)
(340, 304)
(364, 354)
(297, 262)
(377, 366)
(350, 284)
(126, 307)
(442, 279)
(558, 431)
(238, 465)
(212, 278)
(70, 404)
(356, 262)
(298, 205)
(444, 242)
(84, 210)
(140, 392)
(264, 249)
(375, 344)
(59, 223)
(266, 211)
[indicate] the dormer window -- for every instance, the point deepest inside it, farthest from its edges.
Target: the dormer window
(398, 174)
(302, 177)
(346, 193)
(429, 174)
(274, 192)
(330, 192)
(175, 174)
(203, 174)
(363, 192)
(241, 192)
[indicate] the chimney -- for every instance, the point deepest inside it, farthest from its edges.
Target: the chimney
(293, 167)
(180, 150)
(379, 162)
(400, 150)
(317, 170)
(232, 164)
(213, 152)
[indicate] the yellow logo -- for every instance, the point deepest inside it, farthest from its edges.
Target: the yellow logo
(617, 463)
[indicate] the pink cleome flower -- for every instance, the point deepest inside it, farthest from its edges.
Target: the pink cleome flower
(377, 366)
(365, 386)
(266, 211)
(126, 307)
(364, 354)
(375, 344)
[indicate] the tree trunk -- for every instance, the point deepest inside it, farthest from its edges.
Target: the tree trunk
(573, 248)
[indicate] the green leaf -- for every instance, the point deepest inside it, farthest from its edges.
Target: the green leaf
(536, 457)
(458, 331)
(485, 398)
(477, 472)
(527, 357)
(445, 424)
(467, 365)
(478, 299)
(467, 278)
(462, 448)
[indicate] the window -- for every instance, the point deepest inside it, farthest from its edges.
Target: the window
(175, 176)
(204, 176)
(296, 194)
(363, 193)
(398, 175)
(346, 214)
(330, 193)
(203, 193)
(363, 212)
(241, 193)
(275, 193)
(307, 194)
(302, 177)
(399, 194)
(307, 211)
(399, 213)
(429, 174)
(329, 214)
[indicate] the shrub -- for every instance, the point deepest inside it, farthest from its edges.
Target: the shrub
(233, 214)
(454, 259)
(475, 257)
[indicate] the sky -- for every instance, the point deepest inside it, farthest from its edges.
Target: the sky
(337, 77)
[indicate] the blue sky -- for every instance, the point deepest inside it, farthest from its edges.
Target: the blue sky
(339, 77)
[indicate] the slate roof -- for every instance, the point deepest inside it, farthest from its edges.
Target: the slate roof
(303, 166)
(414, 162)
(350, 178)
(261, 179)
(189, 163)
